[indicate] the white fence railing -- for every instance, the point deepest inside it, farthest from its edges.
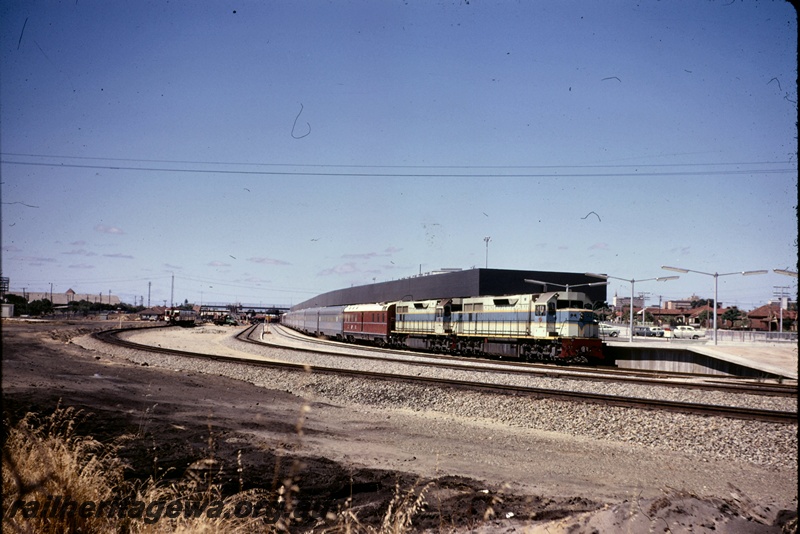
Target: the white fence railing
(733, 336)
(753, 336)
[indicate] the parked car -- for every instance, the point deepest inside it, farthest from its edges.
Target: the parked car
(641, 330)
(687, 332)
(656, 331)
(649, 331)
(608, 330)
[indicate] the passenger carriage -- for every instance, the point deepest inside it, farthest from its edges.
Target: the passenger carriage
(369, 322)
(299, 320)
(330, 322)
(327, 321)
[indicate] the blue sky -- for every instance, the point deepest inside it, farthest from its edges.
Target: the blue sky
(266, 152)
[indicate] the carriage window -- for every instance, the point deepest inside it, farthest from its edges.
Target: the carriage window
(540, 309)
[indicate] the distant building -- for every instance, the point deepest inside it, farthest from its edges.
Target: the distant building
(625, 302)
(678, 304)
(152, 314)
(684, 304)
(768, 317)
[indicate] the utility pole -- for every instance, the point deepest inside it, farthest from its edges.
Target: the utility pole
(643, 295)
(781, 294)
(172, 293)
(148, 293)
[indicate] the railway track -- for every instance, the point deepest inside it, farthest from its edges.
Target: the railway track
(634, 376)
(111, 337)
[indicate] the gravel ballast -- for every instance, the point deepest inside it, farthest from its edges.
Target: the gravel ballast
(771, 445)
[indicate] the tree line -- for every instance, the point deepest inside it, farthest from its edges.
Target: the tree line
(41, 307)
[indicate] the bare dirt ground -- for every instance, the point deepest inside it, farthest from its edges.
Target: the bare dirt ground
(527, 481)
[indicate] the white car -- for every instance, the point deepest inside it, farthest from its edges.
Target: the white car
(687, 332)
(608, 330)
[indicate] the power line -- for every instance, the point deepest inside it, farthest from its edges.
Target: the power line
(76, 281)
(251, 286)
(358, 166)
(128, 281)
(407, 175)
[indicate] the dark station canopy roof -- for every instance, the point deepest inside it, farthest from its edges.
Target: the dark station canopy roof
(451, 284)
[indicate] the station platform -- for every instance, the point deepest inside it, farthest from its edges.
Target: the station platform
(774, 360)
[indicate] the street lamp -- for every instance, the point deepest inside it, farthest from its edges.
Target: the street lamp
(487, 239)
(633, 282)
(716, 277)
(786, 272)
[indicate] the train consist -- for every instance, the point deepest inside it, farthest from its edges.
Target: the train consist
(558, 327)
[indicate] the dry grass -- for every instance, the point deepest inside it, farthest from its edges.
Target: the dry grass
(397, 519)
(43, 457)
(46, 463)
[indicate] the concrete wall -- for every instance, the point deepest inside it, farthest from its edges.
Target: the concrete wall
(678, 360)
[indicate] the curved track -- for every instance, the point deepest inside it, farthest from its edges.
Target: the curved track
(110, 336)
(633, 376)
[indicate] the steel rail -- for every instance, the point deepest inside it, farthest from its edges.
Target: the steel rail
(110, 336)
(659, 378)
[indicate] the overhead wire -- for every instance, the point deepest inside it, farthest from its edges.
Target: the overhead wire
(436, 170)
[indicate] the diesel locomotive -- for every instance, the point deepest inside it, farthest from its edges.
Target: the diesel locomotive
(554, 326)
